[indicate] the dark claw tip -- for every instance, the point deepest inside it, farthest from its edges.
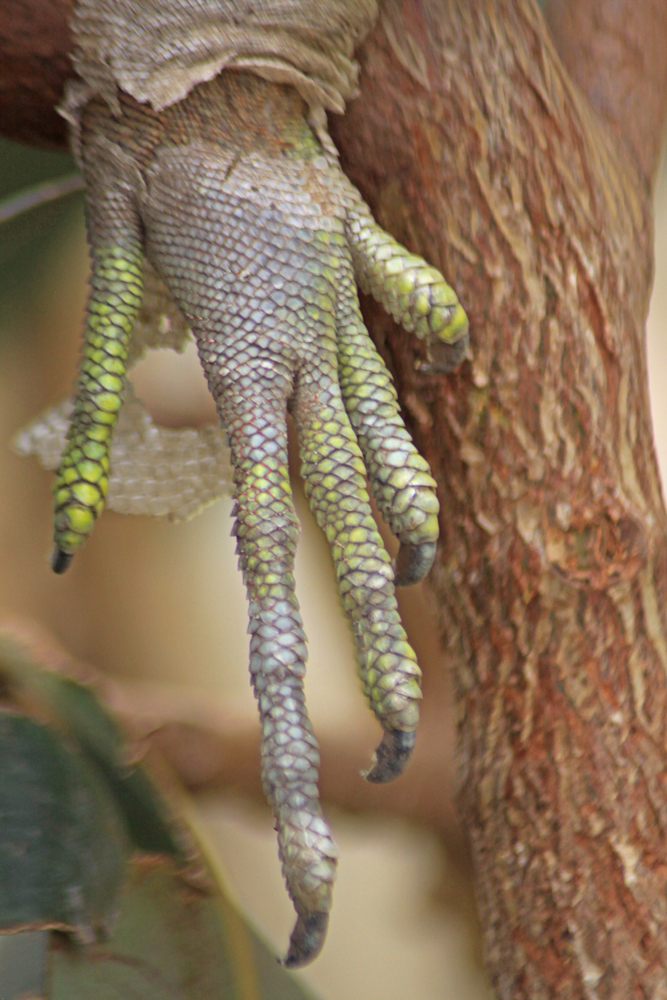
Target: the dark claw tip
(413, 563)
(60, 560)
(307, 940)
(443, 357)
(391, 756)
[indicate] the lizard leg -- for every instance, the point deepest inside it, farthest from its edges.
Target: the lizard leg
(116, 284)
(415, 294)
(245, 331)
(400, 478)
(290, 280)
(334, 474)
(266, 529)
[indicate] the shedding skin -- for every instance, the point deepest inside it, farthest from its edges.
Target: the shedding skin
(261, 241)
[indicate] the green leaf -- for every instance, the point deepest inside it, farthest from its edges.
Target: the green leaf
(172, 942)
(99, 736)
(23, 964)
(29, 238)
(63, 842)
(74, 707)
(70, 806)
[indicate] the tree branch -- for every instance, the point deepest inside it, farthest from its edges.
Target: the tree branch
(34, 65)
(474, 148)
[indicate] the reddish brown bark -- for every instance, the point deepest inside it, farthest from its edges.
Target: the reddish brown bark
(472, 146)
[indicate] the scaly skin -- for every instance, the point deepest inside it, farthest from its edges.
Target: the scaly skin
(259, 237)
(82, 483)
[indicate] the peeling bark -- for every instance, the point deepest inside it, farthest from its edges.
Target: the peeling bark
(475, 148)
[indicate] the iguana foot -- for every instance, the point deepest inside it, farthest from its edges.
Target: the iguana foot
(261, 239)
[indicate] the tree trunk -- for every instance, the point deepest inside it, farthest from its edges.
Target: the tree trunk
(473, 146)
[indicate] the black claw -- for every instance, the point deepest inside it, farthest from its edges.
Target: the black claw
(413, 563)
(307, 940)
(60, 560)
(444, 357)
(391, 756)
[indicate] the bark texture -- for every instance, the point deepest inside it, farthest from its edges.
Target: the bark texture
(473, 147)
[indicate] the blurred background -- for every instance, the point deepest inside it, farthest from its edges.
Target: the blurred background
(162, 608)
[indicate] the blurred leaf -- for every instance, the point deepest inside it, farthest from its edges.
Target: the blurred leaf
(62, 841)
(70, 805)
(144, 812)
(171, 941)
(22, 165)
(23, 964)
(74, 708)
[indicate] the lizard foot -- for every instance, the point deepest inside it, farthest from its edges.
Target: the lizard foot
(260, 239)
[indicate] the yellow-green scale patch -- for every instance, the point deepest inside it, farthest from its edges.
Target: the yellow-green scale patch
(400, 477)
(337, 495)
(416, 294)
(82, 480)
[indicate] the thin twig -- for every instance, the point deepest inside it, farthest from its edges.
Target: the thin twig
(40, 194)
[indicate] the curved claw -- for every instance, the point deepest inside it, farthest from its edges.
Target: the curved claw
(413, 562)
(443, 357)
(391, 756)
(60, 561)
(307, 940)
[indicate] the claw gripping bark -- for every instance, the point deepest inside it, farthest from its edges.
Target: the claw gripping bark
(200, 128)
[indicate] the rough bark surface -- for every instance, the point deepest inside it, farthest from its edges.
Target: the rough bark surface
(479, 153)
(474, 148)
